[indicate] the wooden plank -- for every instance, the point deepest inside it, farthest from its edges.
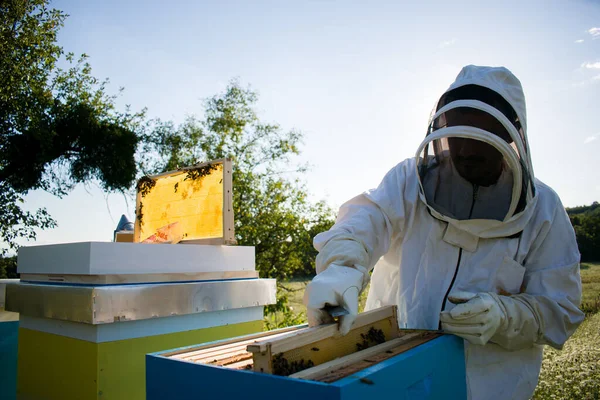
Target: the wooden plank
(211, 353)
(315, 334)
(263, 362)
(245, 340)
(228, 216)
(221, 356)
(350, 359)
(315, 346)
(235, 358)
(246, 364)
(218, 350)
(395, 326)
(114, 279)
(184, 169)
(366, 362)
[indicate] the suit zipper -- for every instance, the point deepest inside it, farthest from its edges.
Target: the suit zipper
(460, 250)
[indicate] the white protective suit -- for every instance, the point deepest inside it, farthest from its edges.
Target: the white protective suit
(428, 232)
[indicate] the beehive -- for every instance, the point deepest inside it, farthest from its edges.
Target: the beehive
(409, 364)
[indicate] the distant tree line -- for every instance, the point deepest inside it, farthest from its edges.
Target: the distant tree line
(586, 222)
(8, 268)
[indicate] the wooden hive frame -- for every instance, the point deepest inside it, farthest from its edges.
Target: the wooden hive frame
(229, 353)
(228, 232)
(314, 346)
(339, 368)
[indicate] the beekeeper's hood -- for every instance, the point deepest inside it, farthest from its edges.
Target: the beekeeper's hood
(490, 91)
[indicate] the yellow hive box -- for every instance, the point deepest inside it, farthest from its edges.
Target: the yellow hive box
(56, 367)
(196, 200)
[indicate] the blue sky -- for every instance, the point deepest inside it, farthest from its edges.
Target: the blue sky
(359, 79)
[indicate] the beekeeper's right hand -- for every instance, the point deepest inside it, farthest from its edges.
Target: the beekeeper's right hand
(336, 286)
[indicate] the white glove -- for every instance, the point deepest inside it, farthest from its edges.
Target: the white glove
(481, 317)
(336, 286)
(476, 318)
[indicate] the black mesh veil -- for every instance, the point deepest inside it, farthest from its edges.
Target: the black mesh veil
(438, 165)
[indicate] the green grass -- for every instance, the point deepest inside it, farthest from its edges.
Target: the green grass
(296, 292)
(590, 279)
(574, 371)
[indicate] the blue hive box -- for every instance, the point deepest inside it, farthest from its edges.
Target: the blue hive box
(9, 343)
(432, 370)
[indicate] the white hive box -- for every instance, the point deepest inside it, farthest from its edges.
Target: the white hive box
(108, 258)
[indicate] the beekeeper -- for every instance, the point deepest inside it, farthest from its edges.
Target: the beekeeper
(462, 237)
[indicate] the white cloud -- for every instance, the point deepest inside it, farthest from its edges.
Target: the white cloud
(589, 65)
(448, 43)
(592, 81)
(595, 32)
(578, 84)
(590, 139)
(579, 41)
(593, 67)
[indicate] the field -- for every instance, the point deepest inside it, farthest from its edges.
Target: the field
(572, 373)
(590, 278)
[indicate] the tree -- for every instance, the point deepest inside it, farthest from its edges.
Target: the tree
(271, 206)
(586, 222)
(58, 127)
(8, 268)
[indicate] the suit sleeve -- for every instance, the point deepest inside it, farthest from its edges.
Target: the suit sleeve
(552, 292)
(366, 224)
